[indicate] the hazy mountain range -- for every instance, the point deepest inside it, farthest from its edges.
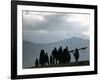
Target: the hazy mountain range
(32, 50)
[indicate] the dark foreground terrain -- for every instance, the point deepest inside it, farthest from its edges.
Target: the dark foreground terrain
(80, 63)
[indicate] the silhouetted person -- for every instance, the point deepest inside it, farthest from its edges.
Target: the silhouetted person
(64, 56)
(51, 59)
(36, 62)
(42, 57)
(68, 55)
(46, 59)
(60, 54)
(54, 54)
(76, 55)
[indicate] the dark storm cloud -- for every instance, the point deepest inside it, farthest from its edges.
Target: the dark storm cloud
(52, 23)
(51, 27)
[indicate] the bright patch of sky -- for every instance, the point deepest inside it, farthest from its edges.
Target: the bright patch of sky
(47, 27)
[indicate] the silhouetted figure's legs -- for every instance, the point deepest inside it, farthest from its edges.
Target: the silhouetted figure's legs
(36, 62)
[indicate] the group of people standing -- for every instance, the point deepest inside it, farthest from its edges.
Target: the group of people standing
(60, 56)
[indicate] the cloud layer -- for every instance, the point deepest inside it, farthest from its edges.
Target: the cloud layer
(45, 27)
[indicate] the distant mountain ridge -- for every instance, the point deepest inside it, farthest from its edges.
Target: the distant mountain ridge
(31, 50)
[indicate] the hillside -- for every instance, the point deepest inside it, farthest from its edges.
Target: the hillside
(31, 50)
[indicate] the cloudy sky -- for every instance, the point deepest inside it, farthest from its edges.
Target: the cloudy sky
(47, 27)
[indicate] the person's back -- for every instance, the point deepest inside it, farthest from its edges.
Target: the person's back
(76, 55)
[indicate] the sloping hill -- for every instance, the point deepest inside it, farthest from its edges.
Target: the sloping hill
(31, 50)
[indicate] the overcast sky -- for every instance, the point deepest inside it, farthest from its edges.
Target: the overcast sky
(46, 27)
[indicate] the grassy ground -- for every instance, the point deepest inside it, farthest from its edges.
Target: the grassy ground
(80, 63)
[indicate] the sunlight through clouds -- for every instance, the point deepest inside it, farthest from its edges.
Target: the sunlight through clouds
(30, 17)
(81, 18)
(86, 33)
